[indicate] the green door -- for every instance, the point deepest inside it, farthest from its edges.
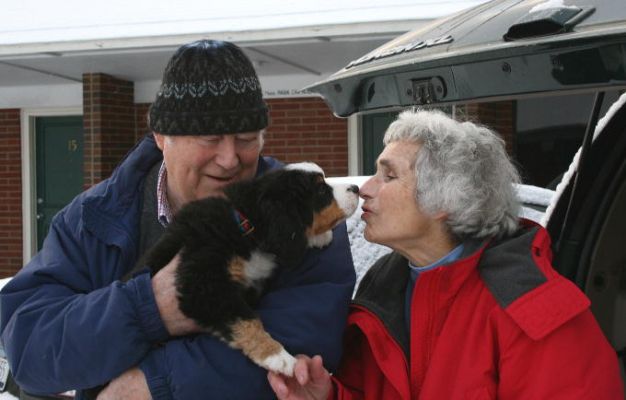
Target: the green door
(59, 148)
(374, 127)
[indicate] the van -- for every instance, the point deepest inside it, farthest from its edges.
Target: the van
(529, 51)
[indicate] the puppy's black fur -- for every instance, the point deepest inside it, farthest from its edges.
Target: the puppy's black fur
(229, 246)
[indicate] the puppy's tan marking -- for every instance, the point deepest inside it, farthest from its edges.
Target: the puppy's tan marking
(326, 219)
(254, 341)
(236, 269)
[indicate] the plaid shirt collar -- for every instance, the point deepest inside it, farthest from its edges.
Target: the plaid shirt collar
(164, 211)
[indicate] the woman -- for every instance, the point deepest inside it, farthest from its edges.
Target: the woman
(467, 306)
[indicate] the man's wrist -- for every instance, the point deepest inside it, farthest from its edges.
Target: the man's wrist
(147, 311)
(166, 298)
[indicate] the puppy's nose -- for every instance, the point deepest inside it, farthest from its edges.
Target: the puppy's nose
(354, 189)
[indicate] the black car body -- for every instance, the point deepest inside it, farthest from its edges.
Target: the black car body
(521, 49)
(497, 50)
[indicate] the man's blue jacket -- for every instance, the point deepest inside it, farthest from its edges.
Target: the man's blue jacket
(69, 323)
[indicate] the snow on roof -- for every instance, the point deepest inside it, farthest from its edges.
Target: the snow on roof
(44, 21)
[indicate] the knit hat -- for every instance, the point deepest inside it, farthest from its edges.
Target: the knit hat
(209, 88)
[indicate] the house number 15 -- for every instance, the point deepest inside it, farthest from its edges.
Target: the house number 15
(72, 145)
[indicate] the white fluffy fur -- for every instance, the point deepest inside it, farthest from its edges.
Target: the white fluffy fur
(347, 200)
(259, 266)
(282, 362)
(321, 240)
(306, 166)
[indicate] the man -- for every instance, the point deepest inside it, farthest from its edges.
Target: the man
(69, 323)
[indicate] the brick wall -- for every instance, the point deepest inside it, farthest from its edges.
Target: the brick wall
(141, 120)
(304, 129)
(499, 116)
(10, 193)
(109, 122)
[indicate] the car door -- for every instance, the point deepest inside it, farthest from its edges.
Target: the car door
(589, 227)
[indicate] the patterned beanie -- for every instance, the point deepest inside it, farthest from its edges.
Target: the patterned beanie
(209, 88)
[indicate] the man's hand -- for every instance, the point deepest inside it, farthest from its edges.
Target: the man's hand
(311, 381)
(165, 294)
(131, 385)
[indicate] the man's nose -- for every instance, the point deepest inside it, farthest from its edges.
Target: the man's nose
(227, 156)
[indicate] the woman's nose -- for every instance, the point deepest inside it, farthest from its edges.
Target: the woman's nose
(365, 192)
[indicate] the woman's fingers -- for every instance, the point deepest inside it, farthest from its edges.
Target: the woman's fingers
(278, 385)
(311, 381)
(301, 369)
(317, 370)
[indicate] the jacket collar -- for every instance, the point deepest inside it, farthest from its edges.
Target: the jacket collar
(382, 289)
(110, 206)
(511, 268)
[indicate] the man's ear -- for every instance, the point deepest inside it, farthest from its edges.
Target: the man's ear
(159, 139)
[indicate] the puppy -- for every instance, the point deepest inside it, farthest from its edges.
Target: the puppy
(230, 246)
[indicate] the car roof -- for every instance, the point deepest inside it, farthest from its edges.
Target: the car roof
(500, 49)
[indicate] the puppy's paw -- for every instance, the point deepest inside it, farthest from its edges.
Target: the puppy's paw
(281, 362)
(321, 240)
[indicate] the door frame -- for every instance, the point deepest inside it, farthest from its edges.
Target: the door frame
(354, 145)
(355, 135)
(29, 172)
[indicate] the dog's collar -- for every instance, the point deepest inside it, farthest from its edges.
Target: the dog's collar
(245, 226)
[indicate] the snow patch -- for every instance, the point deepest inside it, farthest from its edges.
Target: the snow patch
(550, 4)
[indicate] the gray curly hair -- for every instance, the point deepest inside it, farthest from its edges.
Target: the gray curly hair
(461, 169)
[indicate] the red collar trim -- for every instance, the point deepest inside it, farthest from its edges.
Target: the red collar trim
(245, 226)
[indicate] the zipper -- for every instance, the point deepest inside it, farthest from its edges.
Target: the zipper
(384, 329)
(423, 314)
(381, 327)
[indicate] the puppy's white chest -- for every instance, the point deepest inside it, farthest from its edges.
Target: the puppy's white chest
(321, 240)
(259, 267)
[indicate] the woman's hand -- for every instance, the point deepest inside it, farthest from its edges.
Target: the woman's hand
(311, 381)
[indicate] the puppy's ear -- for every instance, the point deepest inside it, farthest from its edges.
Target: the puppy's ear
(282, 211)
(286, 236)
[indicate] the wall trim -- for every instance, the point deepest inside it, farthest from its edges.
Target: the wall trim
(355, 152)
(29, 171)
